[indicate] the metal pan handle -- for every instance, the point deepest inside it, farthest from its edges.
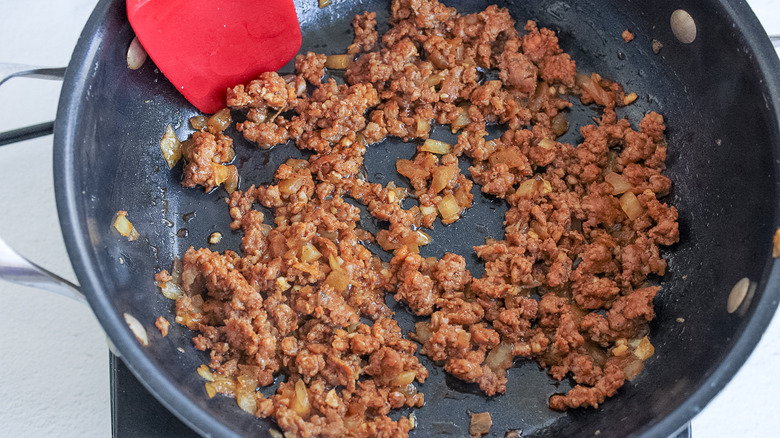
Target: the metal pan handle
(17, 269)
(14, 267)
(8, 71)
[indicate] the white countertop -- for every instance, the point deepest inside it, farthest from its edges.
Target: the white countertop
(54, 379)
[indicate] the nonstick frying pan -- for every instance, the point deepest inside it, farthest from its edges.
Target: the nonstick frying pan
(720, 96)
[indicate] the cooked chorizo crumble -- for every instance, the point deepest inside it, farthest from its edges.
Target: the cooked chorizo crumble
(568, 285)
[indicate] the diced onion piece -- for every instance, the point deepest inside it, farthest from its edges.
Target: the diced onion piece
(417, 216)
(391, 196)
(300, 403)
(632, 369)
(490, 146)
(309, 253)
(442, 176)
(137, 328)
(532, 187)
(540, 94)
(621, 347)
(309, 268)
(247, 402)
(333, 261)
(776, 244)
(215, 238)
(219, 121)
(222, 384)
(417, 238)
(296, 163)
(273, 432)
(333, 236)
(463, 196)
(383, 239)
(427, 209)
(434, 79)
(338, 62)
(324, 3)
(171, 290)
(449, 209)
(546, 143)
(410, 170)
(545, 187)
(211, 389)
(462, 120)
(403, 379)
(423, 126)
(480, 424)
(737, 295)
(422, 238)
(338, 280)
(353, 421)
(205, 373)
(396, 194)
(438, 60)
(199, 122)
(512, 157)
(170, 147)
(539, 229)
(436, 147)
(619, 183)
(629, 98)
(458, 48)
(246, 385)
(291, 185)
(136, 55)
(125, 228)
(221, 173)
(423, 332)
(361, 139)
(631, 206)
(408, 390)
(500, 357)
(227, 175)
(645, 349)
(412, 420)
(593, 88)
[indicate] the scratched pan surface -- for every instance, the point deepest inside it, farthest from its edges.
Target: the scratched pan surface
(722, 111)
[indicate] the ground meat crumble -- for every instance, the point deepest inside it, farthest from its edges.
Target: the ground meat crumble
(568, 285)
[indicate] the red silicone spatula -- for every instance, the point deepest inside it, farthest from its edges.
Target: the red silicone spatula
(205, 46)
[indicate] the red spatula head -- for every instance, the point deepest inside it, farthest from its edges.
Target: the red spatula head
(205, 46)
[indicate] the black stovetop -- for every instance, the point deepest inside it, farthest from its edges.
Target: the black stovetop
(136, 413)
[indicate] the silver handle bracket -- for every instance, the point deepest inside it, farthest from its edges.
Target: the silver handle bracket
(19, 270)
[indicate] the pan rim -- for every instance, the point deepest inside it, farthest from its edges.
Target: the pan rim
(67, 195)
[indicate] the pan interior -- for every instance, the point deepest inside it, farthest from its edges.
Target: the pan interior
(722, 133)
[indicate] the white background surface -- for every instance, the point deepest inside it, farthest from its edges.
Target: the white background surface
(54, 377)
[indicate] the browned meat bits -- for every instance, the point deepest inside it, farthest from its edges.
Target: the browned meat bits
(567, 286)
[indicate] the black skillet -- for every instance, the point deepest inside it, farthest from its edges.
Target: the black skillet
(719, 94)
